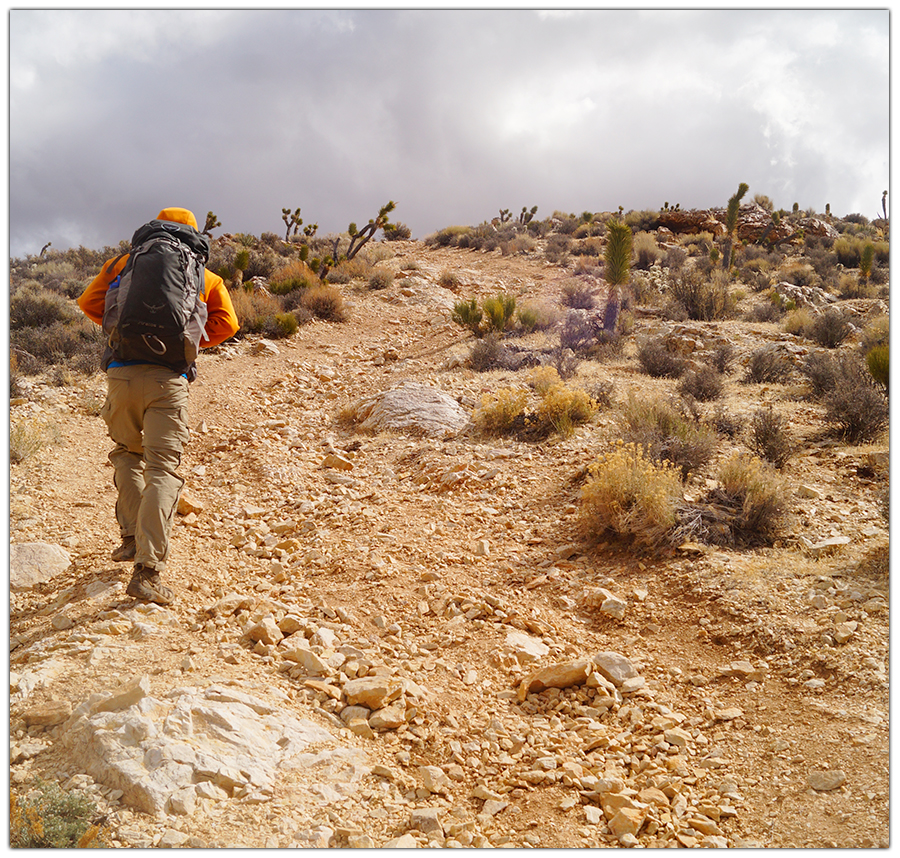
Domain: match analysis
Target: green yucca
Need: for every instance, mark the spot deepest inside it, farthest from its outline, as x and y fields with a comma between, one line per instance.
x=878, y=362
x=499, y=311
x=617, y=254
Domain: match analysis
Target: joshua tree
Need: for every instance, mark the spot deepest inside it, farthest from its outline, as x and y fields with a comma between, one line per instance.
x=731, y=216
x=884, y=203
x=211, y=223
x=526, y=215
x=359, y=237
x=866, y=258
x=291, y=220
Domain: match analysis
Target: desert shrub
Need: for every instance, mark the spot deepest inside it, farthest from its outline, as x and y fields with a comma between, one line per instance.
x=631, y=495
x=449, y=280
x=562, y=408
x=487, y=353
x=856, y=409
x=325, y=302
x=704, y=384
x=255, y=309
x=765, y=311
x=396, y=232
x=77, y=343
x=820, y=370
x=542, y=378
x=380, y=279
x=642, y=221
x=722, y=356
x=878, y=363
x=770, y=438
x=849, y=249
x=656, y=359
x=798, y=322
x=850, y=286
x=675, y=259
x=768, y=366
x=830, y=328
x=517, y=244
x=468, y=314
x=876, y=333
x=558, y=246
x=448, y=236
x=565, y=362
x=705, y=300
x=49, y=818
x=358, y=268
x=748, y=508
x=800, y=274
x=29, y=436
x=727, y=423
x=646, y=250
x=499, y=311
x=578, y=295
x=291, y=276
x=262, y=262
x=667, y=435
x=502, y=412
x=590, y=247
x=696, y=244
x=36, y=307
x=582, y=335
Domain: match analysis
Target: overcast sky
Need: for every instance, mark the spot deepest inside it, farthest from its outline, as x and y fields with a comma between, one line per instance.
x=452, y=114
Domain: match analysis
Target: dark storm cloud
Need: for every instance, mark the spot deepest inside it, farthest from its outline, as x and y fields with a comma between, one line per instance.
x=453, y=114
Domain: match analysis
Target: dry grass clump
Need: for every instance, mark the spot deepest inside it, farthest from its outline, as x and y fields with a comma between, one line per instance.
x=449, y=280
x=798, y=322
x=325, y=302
x=380, y=279
x=704, y=299
x=856, y=409
x=631, y=495
x=502, y=412
x=291, y=276
x=562, y=408
x=29, y=436
x=667, y=434
x=757, y=496
x=260, y=312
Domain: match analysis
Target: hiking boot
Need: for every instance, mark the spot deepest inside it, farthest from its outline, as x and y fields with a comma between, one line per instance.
x=125, y=551
x=146, y=586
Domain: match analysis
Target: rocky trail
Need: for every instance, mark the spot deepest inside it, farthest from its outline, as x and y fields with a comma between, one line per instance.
x=396, y=638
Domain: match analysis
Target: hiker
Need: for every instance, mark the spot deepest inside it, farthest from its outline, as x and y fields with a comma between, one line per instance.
x=147, y=384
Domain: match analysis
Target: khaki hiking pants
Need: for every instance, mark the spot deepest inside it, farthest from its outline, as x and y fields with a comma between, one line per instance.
x=146, y=412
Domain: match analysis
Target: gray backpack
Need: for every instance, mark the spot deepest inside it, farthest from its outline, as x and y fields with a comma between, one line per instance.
x=154, y=311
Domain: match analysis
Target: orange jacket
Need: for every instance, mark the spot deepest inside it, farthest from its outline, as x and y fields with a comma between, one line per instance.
x=222, y=321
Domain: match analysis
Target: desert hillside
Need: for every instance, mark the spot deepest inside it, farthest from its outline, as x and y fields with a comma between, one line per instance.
x=398, y=621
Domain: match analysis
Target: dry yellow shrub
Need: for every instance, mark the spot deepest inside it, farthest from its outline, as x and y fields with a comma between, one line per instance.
x=499, y=412
x=632, y=496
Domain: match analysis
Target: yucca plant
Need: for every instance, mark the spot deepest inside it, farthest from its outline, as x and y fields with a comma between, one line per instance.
x=499, y=311
x=878, y=362
x=617, y=253
x=731, y=217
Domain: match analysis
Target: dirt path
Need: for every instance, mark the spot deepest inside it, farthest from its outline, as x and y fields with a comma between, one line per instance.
x=390, y=548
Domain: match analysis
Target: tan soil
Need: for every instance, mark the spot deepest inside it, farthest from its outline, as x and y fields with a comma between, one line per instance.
x=376, y=549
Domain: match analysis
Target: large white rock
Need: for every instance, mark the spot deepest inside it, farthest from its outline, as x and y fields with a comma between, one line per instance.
x=217, y=742
x=33, y=563
x=411, y=407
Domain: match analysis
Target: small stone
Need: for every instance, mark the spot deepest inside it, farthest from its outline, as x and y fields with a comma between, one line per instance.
x=627, y=821
x=827, y=780
x=405, y=841
x=61, y=622
x=372, y=691
x=614, y=667
x=427, y=820
x=729, y=714
x=388, y=717
x=335, y=461
x=592, y=814
x=266, y=631
x=308, y=661
x=526, y=648
x=492, y=807
x=434, y=779
x=188, y=504
x=555, y=676
x=47, y=714
x=361, y=727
